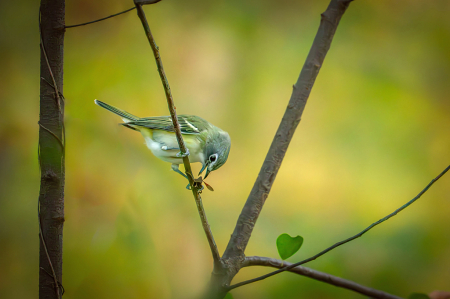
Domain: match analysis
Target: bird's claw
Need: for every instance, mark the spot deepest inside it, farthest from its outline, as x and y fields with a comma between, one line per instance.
x=197, y=184
x=200, y=187
x=182, y=155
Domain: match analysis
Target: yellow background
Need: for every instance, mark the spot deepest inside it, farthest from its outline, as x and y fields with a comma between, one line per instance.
x=375, y=131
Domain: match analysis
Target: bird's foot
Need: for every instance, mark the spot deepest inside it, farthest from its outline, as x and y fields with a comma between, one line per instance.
x=197, y=184
x=199, y=187
x=175, y=168
x=182, y=155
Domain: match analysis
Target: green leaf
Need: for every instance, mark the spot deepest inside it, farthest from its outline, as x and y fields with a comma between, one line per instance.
x=228, y=296
x=418, y=296
x=287, y=245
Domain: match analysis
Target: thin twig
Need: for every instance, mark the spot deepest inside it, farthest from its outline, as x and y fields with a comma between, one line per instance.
x=53, y=134
x=317, y=275
x=52, y=86
x=60, y=285
x=87, y=23
x=176, y=126
x=346, y=240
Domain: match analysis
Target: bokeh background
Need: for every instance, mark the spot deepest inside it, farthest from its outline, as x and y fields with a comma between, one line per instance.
x=375, y=131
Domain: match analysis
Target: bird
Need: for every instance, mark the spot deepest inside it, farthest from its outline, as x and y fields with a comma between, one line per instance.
x=205, y=142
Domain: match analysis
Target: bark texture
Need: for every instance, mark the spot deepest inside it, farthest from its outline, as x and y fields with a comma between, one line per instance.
x=234, y=255
x=51, y=148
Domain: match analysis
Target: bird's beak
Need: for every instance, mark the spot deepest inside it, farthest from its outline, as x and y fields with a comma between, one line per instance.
x=203, y=168
x=207, y=172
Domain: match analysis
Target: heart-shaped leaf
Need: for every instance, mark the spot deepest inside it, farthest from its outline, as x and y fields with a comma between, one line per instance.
x=287, y=245
x=418, y=296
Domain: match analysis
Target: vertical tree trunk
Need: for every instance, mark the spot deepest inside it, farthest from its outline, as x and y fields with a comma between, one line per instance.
x=51, y=148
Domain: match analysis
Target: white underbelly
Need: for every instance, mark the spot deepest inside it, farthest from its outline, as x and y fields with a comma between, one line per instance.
x=157, y=139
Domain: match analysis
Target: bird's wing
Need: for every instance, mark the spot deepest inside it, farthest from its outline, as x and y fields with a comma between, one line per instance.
x=189, y=124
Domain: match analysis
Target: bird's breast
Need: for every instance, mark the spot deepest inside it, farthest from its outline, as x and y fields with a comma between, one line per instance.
x=164, y=145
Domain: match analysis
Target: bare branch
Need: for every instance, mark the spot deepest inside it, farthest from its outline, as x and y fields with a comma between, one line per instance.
x=102, y=19
x=145, y=2
x=176, y=125
x=51, y=148
x=234, y=252
x=317, y=275
x=287, y=268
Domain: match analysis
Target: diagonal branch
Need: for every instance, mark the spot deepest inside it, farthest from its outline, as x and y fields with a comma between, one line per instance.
x=234, y=252
x=317, y=275
x=102, y=19
x=289, y=267
x=176, y=125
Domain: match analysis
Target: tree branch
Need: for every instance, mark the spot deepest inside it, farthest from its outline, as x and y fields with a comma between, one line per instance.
x=176, y=125
x=234, y=253
x=287, y=268
x=102, y=19
x=51, y=147
x=317, y=275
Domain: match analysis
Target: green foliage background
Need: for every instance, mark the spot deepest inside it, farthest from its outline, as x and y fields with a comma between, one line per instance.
x=374, y=133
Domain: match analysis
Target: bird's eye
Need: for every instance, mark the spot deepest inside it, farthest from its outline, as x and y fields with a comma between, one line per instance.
x=213, y=158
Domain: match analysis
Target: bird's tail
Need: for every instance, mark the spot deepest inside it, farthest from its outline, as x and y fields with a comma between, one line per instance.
x=125, y=115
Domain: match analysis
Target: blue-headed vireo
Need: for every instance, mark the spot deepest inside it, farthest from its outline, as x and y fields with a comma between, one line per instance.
x=205, y=142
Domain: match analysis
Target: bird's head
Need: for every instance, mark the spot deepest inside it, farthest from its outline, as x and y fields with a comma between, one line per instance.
x=216, y=151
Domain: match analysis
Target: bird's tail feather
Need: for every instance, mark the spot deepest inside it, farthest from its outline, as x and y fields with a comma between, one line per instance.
x=120, y=112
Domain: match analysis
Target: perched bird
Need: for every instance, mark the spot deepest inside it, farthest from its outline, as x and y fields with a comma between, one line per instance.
x=205, y=142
